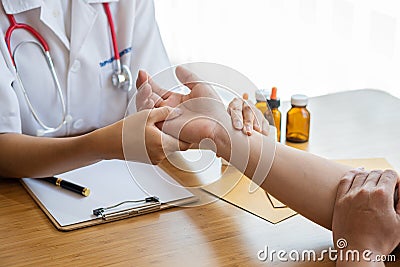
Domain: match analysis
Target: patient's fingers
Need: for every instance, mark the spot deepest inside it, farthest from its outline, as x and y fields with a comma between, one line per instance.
x=187, y=77
x=142, y=97
x=144, y=77
x=157, y=100
x=141, y=79
x=164, y=94
x=345, y=184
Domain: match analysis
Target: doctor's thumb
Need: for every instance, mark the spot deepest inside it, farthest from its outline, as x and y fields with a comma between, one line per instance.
x=163, y=114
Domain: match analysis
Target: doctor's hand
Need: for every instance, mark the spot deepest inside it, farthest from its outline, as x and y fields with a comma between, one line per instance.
x=141, y=139
x=244, y=115
x=365, y=214
x=204, y=114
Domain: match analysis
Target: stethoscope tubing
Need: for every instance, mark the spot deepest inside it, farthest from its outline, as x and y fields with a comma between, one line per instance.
x=121, y=70
x=46, y=129
x=14, y=25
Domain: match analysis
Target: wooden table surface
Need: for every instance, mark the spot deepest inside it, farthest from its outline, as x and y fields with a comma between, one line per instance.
x=357, y=124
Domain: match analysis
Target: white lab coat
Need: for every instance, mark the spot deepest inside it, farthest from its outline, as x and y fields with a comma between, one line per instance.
x=92, y=101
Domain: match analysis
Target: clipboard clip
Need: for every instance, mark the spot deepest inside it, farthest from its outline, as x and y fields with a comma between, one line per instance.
x=149, y=204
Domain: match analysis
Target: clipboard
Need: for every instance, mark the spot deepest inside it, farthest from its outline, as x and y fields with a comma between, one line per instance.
x=112, y=183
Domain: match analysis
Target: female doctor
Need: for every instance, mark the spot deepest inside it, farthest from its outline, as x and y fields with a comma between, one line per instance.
x=82, y=94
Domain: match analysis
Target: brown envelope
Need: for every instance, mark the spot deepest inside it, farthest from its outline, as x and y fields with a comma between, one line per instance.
x=258, y=203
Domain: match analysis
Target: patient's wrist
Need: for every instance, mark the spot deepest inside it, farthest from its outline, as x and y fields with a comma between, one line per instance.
x=222, y=140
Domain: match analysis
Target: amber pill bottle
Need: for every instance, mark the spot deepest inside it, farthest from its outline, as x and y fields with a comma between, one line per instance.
x=298, y=120
x=261, y=98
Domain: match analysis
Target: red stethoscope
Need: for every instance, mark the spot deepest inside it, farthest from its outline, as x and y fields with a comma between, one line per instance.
x=121, y=78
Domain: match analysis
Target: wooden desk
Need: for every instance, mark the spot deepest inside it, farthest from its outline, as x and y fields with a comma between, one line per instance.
x=352, y=124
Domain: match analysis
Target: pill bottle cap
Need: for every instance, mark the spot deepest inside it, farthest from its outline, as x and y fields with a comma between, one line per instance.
x=299, y=100
x=262, y=95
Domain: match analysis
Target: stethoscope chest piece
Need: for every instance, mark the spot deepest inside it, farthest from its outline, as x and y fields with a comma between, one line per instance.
x=123, y=79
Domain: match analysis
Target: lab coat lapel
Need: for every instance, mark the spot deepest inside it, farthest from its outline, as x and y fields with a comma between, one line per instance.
x=51, y=21
x=85, y=16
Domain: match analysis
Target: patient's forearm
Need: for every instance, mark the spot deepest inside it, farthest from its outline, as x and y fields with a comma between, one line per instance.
x=305, y=182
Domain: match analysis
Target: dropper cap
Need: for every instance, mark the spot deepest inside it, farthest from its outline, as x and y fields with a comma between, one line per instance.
x=274, y=101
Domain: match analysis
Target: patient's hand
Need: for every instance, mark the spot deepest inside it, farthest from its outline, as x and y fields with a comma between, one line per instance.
x=151, y=95
x=365, y=214
x=244, y=115
x=203, y=115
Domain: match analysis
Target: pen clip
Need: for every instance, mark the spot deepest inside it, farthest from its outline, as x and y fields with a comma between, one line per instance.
x=150, y=204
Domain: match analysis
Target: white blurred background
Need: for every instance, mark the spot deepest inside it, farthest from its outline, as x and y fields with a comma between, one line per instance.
x=313, y=47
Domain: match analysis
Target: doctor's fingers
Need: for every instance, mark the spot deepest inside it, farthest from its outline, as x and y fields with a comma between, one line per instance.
x=235, y=109
x=389, y=182
x=162, y=114
x=168, y=144
x=245, y=116
x=260, y=123
x=159, y=145
x=249, y=119
x=171, y=144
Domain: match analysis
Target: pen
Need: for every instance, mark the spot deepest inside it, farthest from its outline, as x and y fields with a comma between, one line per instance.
x=84, y=191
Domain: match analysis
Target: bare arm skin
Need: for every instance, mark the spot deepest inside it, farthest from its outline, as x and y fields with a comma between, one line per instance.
x=27, y=156
x=305, y=182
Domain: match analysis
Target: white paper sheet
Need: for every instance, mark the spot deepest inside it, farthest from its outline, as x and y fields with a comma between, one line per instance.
x=110, y=183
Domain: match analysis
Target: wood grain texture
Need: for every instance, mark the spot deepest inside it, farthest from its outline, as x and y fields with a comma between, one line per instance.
x=360, y=124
